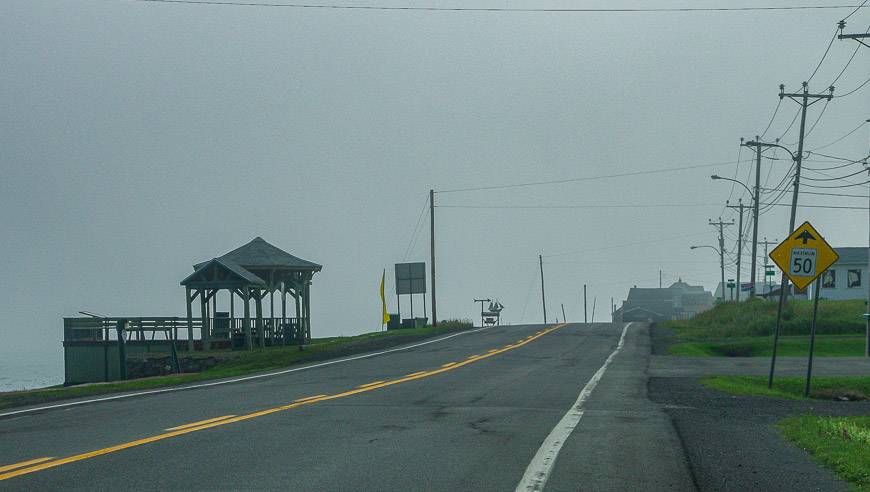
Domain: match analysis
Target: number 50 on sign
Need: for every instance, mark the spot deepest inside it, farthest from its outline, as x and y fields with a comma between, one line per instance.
x=804, y=255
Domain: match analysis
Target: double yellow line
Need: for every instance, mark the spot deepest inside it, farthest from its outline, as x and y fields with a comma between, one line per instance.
x=35, y=465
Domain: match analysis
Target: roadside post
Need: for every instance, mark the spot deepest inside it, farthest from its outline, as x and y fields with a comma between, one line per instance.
x=803, y=257
x=120, y=326
x=813, y=335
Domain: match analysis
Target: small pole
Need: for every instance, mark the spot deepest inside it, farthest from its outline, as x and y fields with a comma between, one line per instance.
x=564, y=318
x=584, y=303
x=660, y=279
x=593, y=308
x=120, y=326
x=813, y=335
x=543, y=297
x=432, y=252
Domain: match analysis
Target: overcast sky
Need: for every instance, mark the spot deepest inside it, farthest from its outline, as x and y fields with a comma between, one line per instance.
x=139, y=138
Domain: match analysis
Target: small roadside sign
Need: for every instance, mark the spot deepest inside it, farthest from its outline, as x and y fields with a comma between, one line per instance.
x=804, y=255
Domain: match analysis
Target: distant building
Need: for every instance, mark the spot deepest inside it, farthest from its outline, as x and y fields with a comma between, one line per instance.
x=847, y=278
x=678, y=301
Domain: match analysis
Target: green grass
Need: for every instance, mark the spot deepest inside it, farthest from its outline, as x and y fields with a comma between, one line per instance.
x=839, y=443
x=826, y=346
x=758, y=317
x=234, y=364
x=792, y=388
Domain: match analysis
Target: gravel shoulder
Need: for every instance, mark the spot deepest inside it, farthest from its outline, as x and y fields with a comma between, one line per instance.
x=731, y=442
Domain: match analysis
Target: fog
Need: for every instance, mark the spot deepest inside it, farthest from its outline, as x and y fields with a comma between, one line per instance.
x=138, y=138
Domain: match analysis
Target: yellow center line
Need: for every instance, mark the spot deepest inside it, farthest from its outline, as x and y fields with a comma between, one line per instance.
x=369, y=384
x=23, y=463
x=41, y=465
x=449, y=364
x=197, y=424
x=308, y=398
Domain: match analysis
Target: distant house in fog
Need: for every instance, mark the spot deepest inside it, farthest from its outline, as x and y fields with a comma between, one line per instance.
x=678, y=301
x=847, y=278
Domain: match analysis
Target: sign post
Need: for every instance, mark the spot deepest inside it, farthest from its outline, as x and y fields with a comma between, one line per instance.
x=803, y=256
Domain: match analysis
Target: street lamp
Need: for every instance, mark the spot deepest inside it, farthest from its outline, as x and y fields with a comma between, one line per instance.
x=721, y=263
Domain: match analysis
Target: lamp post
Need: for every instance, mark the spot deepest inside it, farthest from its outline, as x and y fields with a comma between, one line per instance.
x=755, y=199
x=721, y=264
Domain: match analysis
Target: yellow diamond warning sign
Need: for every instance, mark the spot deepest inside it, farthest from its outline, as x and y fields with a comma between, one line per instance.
x=804, y=255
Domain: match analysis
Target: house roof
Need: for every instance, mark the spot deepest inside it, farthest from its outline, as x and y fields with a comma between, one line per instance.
x=260, y=254
x=852, y=256
x=645, y=294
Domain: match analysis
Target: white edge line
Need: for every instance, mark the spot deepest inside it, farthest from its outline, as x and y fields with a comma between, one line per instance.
x=236, y=380
x=539, y=468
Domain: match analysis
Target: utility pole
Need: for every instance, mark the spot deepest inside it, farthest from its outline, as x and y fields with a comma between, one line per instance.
x=432, y=251
x=739, y=244
x=543, y=297
x=867, y=342
x=860, y=37
x=805, y=99
x=564, y=318
x=721, y=226
x=584, y=303
x=756, y=199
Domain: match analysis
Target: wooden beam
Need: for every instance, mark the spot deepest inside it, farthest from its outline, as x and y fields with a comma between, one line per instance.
x=189, y=300
x=248, y=338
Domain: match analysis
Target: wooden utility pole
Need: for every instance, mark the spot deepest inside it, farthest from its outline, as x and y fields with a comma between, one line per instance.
x=543, y=297
x=739, y=244
x=585, y=320
x=805, y=99
x=755, y=199
x=432, y=252
x=721, y=226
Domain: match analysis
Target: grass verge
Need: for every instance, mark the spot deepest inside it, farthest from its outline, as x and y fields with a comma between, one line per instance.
x=241, y=363
x=823, y=388
x=826, y=346
x=839, y=443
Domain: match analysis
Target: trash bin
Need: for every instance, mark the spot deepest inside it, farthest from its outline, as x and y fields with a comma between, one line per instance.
x=395, y=322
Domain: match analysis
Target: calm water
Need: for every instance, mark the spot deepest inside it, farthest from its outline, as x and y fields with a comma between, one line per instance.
x=28, y=370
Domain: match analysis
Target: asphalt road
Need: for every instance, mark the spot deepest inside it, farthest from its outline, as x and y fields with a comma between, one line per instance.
x=404, y=420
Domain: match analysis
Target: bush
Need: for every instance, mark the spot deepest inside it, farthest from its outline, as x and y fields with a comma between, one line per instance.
x=758, y=318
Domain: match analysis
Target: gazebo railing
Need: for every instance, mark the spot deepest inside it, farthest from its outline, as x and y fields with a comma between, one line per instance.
x=137, y=329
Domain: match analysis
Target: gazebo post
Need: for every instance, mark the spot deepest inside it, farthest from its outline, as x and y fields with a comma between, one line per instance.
x=259, y=295
x=248, y=339
x=189, y=300
x=307, y=333
x=232, y=307
x=283, y=312
x=203, y=305
x=272, y=312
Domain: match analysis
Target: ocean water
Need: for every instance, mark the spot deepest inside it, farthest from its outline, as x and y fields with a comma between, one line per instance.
x=30, y=370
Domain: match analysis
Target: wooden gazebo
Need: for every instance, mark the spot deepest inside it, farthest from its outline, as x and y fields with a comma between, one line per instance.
x=251, y=272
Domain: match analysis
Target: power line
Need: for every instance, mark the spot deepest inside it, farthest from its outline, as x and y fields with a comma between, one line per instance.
x=849, y=62
x=856, y=9
x=835, y=178
x=621, y=205
x=840, y=186
x=825, y=55
x=587, y=178
x=501, y=9
x=821, y=206
x=856, y=89
x=413, y=239
x=772, y=117
x=833, y=194
x=841, y=138
x=638, y=243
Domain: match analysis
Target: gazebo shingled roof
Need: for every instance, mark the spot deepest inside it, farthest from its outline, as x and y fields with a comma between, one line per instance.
x=260, y=254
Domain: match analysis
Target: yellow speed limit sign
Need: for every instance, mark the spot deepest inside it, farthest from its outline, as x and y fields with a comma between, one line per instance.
x=804, y=255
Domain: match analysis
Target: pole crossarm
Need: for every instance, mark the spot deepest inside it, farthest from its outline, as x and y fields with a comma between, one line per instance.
x=860, y=37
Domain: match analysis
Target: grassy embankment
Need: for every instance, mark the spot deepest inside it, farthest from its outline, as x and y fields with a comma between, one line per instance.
x=792, y=387
x=745, y=330
x=840, y=443
x=242, y=362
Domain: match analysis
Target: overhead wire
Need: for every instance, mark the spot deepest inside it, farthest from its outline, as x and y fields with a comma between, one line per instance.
x=824, y=55
x=841, y=138
x=496, y=9
x=586, y=178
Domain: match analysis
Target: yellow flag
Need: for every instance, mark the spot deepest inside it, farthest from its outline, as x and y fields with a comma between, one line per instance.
x=386, y=317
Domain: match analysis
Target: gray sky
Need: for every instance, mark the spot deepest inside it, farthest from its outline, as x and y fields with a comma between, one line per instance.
x=140, y=138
